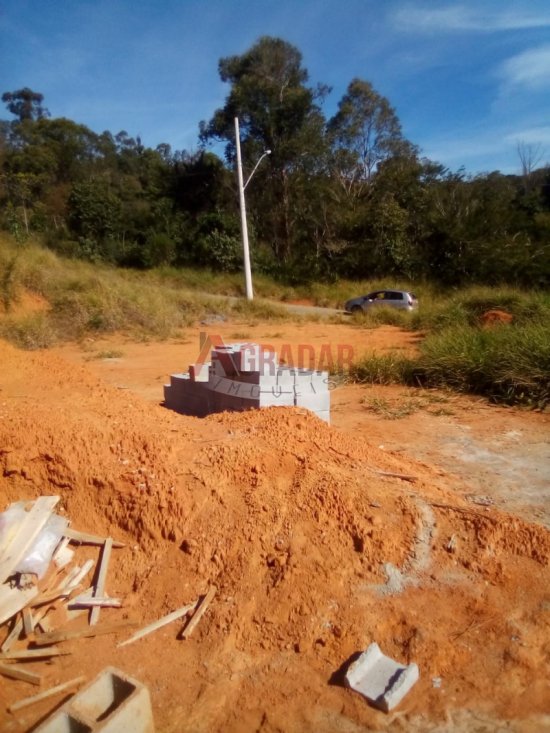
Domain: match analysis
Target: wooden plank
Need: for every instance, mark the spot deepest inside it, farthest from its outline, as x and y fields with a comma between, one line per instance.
x=10, y=670
x=63, y=555
x=33, y=653
x=13, y=636
x=47, y=693
x=55, y=637
x=13, y=600
x=95, y=601
x=101, y=578
x=28, y=530
x=160, y=623
x=188, y=630
x=69, y=577
x=84, y=538
x=391, y=474
x=47, y=598
x=28, y=623
x=80, y=575
x=66, y=587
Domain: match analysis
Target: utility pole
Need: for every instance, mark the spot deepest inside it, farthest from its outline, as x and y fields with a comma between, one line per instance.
x=244, y=225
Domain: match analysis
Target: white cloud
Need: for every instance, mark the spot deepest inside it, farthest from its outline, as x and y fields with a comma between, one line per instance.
x=464, y=18
x=531, y=136
x=530, y=69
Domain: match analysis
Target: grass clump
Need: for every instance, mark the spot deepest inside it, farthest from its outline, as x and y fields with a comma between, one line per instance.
x=383, y=316
x=34, y=331
x=506, y=364
x=407, y=404
x=391, y=368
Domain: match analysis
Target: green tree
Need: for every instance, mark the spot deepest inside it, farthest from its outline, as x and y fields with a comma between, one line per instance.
x=277, y=111
x=365, y=132
x=25, y=104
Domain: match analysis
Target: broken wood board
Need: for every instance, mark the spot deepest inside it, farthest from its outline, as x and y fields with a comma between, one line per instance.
x=55, y=637
x=27, y=532
x=15, y=673
x=33, y=653
x=101, y=579
x=13, y=600
x=79, y=576
x=28, y=622
x=84, y=538
x=47, y=693
x=63, y=555
x=92, y=601
x=160, y=623
x=13, y=636
x=188, y=630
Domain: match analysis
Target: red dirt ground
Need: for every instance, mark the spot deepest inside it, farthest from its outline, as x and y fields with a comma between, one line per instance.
x=315, y=553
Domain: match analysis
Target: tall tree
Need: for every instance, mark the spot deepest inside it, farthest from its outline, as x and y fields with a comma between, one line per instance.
x=278, y=111
x=365, y=132
x=25, y=104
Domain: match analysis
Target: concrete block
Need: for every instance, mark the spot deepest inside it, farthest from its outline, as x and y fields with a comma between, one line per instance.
x=223, y=367
x=320, y=380
x=199, y=372
x=249, y=377
x=112, y=703
x=225, y=360
x=232, y=403
x=380, y=679
x=179, y=383
x=316, y=402
x=177, y=378
x=276, y=398
x=223, y=385
x=249, y=358
x=323, y=415
x=286, y=376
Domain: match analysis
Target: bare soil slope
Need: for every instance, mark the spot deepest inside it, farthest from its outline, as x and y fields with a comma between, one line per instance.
x=314, y=550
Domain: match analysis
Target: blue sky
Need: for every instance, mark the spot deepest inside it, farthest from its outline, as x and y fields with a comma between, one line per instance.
x=468, y=79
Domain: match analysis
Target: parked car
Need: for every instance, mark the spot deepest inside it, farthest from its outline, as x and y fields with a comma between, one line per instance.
x=402, y=299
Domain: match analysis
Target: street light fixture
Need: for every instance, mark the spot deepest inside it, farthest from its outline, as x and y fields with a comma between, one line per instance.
x=244, y=225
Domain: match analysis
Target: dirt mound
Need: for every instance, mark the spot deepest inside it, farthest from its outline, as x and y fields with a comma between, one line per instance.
x=316, y=547
x=495, y=317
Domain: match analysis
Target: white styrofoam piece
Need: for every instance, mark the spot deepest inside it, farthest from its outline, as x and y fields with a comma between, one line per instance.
x=380, y=679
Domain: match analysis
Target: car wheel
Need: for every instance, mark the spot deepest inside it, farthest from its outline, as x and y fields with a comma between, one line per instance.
x=356, y=309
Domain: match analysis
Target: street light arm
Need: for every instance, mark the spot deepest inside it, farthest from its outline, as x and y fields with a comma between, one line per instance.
x=266, y=152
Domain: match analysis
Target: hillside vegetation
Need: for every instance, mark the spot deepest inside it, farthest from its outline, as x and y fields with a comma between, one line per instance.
x=507, y=362
x=344, y=197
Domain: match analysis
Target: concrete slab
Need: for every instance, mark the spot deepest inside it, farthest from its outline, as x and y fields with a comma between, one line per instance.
x=380, y=679
x=112, y=703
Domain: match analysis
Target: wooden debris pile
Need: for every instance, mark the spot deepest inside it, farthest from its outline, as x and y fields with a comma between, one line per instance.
x=41, y=582
x=38, y=577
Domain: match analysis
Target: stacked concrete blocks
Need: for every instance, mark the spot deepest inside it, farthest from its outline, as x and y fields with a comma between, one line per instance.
x=111, y=703
x=243, y=377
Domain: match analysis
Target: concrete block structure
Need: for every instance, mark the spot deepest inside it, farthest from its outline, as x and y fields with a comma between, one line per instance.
x=111, y=703
x=381, y=680
x=243, y=377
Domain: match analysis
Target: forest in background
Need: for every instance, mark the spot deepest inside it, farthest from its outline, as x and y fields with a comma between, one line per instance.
x=345, y=197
